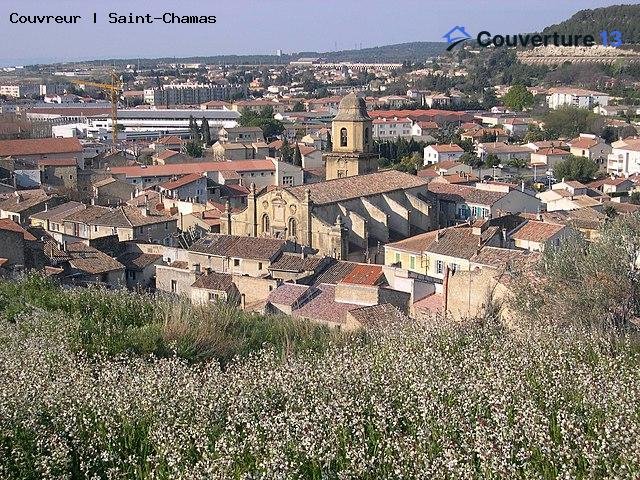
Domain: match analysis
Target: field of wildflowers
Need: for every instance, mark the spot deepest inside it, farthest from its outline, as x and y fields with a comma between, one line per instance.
x=421, y=401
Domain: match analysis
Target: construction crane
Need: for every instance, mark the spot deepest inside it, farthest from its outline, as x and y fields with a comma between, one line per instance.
x=115, y=90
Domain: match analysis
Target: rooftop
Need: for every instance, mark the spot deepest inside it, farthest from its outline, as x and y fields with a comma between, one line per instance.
x=88, y=259
x=214, y=281
x=536, y=231
x=39, y=146
x=196, y=167
x=257, y=248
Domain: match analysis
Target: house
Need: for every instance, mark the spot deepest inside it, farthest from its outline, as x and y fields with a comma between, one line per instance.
x=298, y=266
x=112, y=191
x=20, y=205
x=452, y=167
x=548, y=157
x=480, y=134
x=85, y=265
x=191, y=187
x=140, y=269
x=235, y=254
x=433, y=252
x=535, y=235
x=166, y=157
x=590, y=146
x=240, y=150
x=13, y=239
x=575, y=97
x=438, y=153
x=34, y=150
x=624, y=158
x=458, y=203
x=240, y=134
x=505, y=152
x=391, y=128
x=52, y=219
x=571, y=195
x=126, y=222
x=59, y=172
x=613, y=185
x=171, y=142
x=215, y=287
x=516, y=127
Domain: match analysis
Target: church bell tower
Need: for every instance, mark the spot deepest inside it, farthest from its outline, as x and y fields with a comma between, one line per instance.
x=351, y=130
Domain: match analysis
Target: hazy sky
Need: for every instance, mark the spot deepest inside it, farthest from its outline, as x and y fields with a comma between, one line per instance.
x=254, y=26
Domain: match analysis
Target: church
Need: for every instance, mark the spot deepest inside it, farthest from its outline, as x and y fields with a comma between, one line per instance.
x=351, y=214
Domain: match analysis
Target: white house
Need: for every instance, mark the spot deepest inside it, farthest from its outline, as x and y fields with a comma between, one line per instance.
x=624, y=158
x=391, y=128
x=590, y=146
x=439, y=153
x=575, y=97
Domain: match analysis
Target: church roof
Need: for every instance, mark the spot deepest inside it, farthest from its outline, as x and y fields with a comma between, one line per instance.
x=352, y=108
x=347, y=188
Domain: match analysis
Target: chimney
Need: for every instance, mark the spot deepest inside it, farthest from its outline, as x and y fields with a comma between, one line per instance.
x=46, y=206
x=522, y=186
x=64, y=245
x=196, y=267
x=438, y=235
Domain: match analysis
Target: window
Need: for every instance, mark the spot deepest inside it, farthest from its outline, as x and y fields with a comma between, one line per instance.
x=287, y=180
x=259, y=265
x=95, y=228
x=174, y=286
x=236, y=262
x=265, y=223
x=412, y=262
x=439, y=266
x=213, y=297
x=293, y=227
x=343, y=137
x=131, y=274
x=342, y=173
x=398, y=259
x=366, y=136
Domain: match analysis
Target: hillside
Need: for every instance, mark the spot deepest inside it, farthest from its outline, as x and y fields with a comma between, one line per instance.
x=624, y=18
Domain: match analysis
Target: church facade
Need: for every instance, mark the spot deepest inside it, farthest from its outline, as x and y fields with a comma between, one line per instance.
x=351, y=214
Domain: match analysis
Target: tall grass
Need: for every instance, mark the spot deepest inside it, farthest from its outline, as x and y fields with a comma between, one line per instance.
x=114, y=322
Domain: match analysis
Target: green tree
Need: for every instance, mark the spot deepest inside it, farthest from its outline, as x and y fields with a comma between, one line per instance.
x=575, y=168
x=298, y=107
x=329, y=146
x=194, y=131
x=491, y=161
x=194, y=149
x=471, y=159
x=518, y=98
x=206, y=132
x=286, y=151
x=297, y=156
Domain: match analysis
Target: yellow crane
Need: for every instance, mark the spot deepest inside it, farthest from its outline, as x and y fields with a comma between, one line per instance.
x=115, y=90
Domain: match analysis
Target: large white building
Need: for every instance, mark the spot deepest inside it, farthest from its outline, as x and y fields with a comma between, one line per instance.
x=575, y=97
x=150, y=124
x=191, y=93
x=624, y=158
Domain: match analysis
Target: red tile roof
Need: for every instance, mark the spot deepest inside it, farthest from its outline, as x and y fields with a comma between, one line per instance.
x=185, y=168
x=10, y=225
x=453, y=148
x=182, y=181
x=364, y=275
x=536, y=231
x=39, y=146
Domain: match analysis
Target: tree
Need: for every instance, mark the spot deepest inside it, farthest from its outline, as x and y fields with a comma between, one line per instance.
x=634, y=198
x=329, y=146
x=194, y=149
x=286, y=152
x=194, y=131
x=575, y=168
x=518, y=98
x=489, y=98
x=570, y=121
x=206, y=132
x=471, y=159
x=491, y=161
x=298, y=107
x=297, y=156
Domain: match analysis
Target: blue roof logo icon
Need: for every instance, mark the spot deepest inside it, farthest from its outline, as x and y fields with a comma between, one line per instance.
x=455, y=36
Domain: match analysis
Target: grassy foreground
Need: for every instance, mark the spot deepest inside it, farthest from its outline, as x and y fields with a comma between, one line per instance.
x=439, y=401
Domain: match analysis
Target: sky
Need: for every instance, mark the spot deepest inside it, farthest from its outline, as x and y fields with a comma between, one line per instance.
x=259, y=26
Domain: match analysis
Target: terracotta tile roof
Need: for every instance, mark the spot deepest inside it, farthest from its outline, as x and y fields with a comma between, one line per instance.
x=22, y=200
x=222, y=282
x=288, y=294
x=138, y=260
x=122, y=216
x=294, y=262
x=185, y=168
x=458, y=242
x=497, y=257
x=445, y=148
x=584, y=142
x=433, y=303
x=464, y=194
x=60, y=212
x=623, y=208
x=166, y=154
x=341, y=189
x=88, y=259
x=182, y=181
x=447, y=164
x=10, y=225
x=39, y=146
x=376, y=316
x=501, y=147
x=536, y=231
x=322, y=306
x=257, y=248
x=170, y=140
x=428, y=172
x=364, y=275
x=335, y=273
x=182, y=265
x=552, y=151
x=58, y=162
